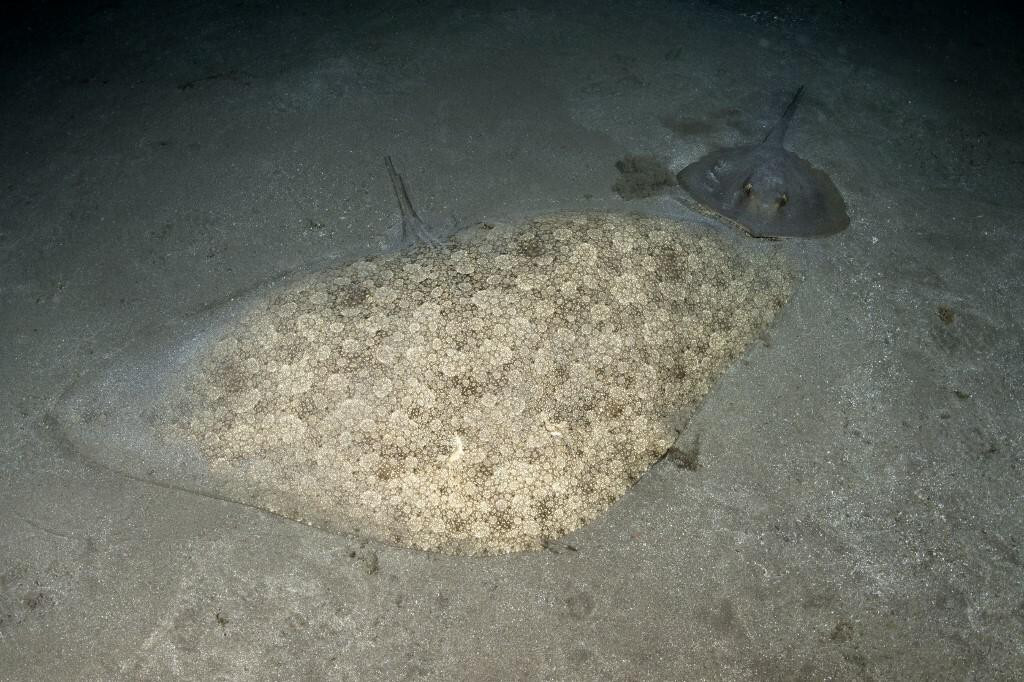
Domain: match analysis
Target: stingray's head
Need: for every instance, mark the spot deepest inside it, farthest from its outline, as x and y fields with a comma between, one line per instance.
x=763, y=193
x=767, y=191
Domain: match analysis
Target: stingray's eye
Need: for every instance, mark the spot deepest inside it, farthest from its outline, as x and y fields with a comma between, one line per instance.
x=783, y=199
x=748, y=189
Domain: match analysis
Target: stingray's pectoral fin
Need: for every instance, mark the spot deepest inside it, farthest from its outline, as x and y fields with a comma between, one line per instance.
x=412, y=228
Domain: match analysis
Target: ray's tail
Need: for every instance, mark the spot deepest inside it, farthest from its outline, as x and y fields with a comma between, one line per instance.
x=776, y=134
x=412, y=226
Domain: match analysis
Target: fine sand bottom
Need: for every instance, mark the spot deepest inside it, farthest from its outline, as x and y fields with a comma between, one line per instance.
x=845, y=504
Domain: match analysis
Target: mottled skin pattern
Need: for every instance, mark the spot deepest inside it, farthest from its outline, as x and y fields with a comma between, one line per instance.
x=483, y=397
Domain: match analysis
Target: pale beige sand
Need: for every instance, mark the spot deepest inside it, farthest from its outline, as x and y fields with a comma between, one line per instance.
x=857, y=510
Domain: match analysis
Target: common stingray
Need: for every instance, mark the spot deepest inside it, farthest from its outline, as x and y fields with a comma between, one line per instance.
x=482, y=397
x=765, y=189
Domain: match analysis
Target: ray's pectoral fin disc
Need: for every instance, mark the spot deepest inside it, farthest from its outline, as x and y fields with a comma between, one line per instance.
x=766, y=190
x=774, y=194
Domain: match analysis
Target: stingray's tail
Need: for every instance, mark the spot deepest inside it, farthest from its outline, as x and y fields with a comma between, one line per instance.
x=776, y=134
x=401, y=193
x=412, y=226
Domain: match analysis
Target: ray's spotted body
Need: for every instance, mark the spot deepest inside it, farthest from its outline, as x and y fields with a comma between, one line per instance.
x=479, y=398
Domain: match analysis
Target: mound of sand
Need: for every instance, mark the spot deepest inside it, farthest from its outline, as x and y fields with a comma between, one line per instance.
x=482, y=398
